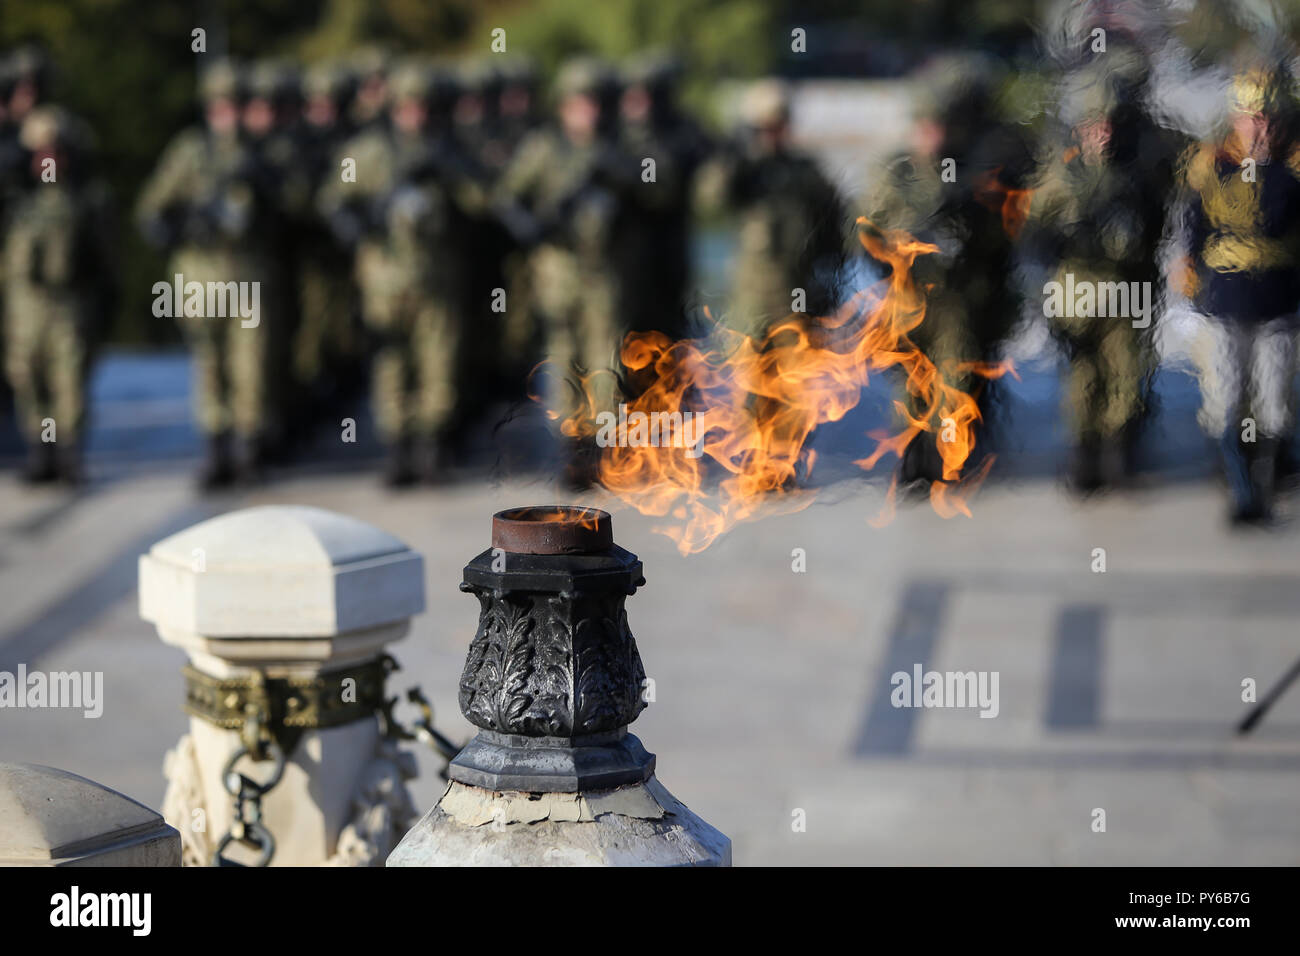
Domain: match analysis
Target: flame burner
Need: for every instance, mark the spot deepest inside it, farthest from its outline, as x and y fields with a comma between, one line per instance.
x=553, y=676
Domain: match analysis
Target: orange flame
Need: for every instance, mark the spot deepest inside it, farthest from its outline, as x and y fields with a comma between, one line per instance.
x=587, y=518
x=754, y=404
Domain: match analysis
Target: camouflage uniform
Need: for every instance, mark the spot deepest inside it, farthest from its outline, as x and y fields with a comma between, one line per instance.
x=492, y=359
x=329, y=344
x=571, y=188
x=652, y=238
x=275, y=137
x=369, y=67
x=210, y=203
x=1100, y=212
x=25, y=75
x=405, y=216
x=59, y=290
x=791, y=233
x=517, y=113
x=970, y=210
x=516, y=120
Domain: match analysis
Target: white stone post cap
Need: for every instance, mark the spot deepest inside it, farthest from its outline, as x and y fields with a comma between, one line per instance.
x=50, y=817
x=279, y=571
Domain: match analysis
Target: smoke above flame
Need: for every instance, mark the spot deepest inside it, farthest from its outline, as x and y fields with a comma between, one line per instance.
x=756, y=403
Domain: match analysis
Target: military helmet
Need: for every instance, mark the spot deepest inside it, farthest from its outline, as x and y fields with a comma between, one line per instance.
x=517, y=71
x=478, y=75
x=766, y=103
x=1264, y=88
x=275, y=80
x=413, y=79
x=333, y=79
x=584, y=76
x=656, y=71
x=1106, y=83
x=222, y=80
x=30, y=60
x=953, y=86
x=369, y=60
x=48, y=126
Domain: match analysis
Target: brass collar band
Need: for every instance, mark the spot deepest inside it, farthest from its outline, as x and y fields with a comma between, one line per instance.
x=291, y=704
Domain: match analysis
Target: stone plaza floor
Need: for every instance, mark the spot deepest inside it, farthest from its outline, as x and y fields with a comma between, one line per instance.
x=1117, y=691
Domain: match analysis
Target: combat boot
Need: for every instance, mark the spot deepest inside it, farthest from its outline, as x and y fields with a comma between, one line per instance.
x=921, y=462
x=1246, y=505
x=40, y=466
x=1114, y=463
x=400, y=470
x=247, y=459
x=581, y=466
x=217, y=470
x=431, y=459
x=1086, y=467
x=1263, y=472
x=68, y=462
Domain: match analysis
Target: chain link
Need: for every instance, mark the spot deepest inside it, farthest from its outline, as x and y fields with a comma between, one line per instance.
x=258, y=743
x=423, y=729
x=247, y=827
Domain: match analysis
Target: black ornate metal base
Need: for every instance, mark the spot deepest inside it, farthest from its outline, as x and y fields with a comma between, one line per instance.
x=553, y=676
x=496, y=761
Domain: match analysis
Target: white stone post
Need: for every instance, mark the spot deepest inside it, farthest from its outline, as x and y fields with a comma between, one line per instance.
x=298, y=598
x=50, y=817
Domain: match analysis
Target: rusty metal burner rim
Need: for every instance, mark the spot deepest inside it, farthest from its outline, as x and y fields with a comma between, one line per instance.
x=524, y=530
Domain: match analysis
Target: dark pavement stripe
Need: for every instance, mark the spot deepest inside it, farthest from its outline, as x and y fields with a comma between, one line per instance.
x=913, y=637
x=1074, y=683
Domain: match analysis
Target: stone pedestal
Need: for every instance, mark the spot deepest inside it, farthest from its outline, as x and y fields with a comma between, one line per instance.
x=50, y=817
x=286, y=612
x=553, y=678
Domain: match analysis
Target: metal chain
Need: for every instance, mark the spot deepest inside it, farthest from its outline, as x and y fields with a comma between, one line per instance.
x=258, y=744
x=247, y=827
x=423, y=729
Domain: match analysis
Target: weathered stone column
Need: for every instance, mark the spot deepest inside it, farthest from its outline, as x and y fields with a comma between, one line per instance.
x=285, y=613
x=552, y=680
x=50, y=817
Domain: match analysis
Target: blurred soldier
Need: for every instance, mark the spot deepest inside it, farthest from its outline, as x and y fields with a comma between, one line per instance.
x=571, y=180
x=30, y=76
x=25, y=79
x=25, y=76
x=1244, y=246
x=961, y=186
x=475, y=116
x=518, y=117
x=369, y=106
x=405, y=215
x=653, y=238
x=491, y=369
x=1103, y=206
x=11, y=173
x=328, y=348
x=13, y=162
x=270, y=123
x=210, y=202
x=59, y=289
x=517, y=107
x=792, y=227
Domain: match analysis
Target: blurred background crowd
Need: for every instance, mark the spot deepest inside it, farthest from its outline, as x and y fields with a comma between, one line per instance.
x=432, y=199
